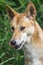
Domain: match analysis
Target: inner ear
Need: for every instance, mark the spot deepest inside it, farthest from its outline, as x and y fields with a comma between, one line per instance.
x=31, y=10
x=11, y=13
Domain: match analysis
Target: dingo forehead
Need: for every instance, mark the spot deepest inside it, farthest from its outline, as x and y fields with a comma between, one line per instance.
x=21, y=20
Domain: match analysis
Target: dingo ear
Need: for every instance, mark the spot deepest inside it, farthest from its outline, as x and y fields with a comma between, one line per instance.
x=31, y=10
x=11, y=13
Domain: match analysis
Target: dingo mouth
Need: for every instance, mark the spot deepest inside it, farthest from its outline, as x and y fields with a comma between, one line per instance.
x=17, y=46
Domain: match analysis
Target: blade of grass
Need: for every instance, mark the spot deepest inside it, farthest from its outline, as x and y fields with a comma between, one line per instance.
x=38, y=2
x=7, y=60
x=2, y=55
x=4, y=39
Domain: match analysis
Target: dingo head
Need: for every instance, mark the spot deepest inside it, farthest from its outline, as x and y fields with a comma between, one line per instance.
x=22, y=25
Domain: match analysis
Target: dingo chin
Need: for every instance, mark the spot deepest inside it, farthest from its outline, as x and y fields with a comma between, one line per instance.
x=27, y=34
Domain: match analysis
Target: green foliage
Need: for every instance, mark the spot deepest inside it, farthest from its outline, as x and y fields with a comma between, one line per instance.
x=8, y=55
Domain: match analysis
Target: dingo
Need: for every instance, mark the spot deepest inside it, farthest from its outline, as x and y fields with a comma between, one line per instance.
x=27, y=34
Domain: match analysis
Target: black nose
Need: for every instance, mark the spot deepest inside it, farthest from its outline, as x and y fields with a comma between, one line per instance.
x=13, y=42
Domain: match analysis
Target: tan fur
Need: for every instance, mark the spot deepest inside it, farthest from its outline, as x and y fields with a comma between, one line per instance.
x=33, y=47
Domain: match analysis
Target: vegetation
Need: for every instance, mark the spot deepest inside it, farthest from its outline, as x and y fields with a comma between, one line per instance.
x=8, y=55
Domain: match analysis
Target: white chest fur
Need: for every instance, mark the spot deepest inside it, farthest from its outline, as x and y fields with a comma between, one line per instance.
x=31, y=53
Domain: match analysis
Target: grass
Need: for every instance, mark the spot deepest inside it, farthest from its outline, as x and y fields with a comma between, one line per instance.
x=8, y=55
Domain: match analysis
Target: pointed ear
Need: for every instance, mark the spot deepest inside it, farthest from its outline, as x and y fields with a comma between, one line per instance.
x=11, y=13
x=31, y=10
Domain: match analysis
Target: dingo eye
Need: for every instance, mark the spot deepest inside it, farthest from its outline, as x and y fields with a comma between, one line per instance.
x=12, y=28
x=22, y=28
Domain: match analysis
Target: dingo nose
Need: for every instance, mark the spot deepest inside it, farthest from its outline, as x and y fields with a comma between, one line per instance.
x=13, y=42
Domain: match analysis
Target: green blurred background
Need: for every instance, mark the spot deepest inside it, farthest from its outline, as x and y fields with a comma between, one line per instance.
x=8, y=55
